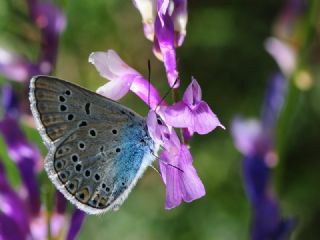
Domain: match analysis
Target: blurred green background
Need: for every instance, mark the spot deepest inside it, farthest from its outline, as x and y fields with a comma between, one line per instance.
x=224, y=51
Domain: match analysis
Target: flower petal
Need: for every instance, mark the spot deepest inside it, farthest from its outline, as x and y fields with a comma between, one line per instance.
x=173, y=188
x=114, y=90
x=204, y=120
x=164, y=34
x=193, y=93
x=76, y=223
x=146, y=92
x=192, y=187
x=14, y=67
x=245, y=134
x=101, y=61
x=178, y=115
x=180, y=19
x=122, y=78
x=283, y=54
x=25, y=156
x=273, y=100
x=11, y=204
x=61, y=203
x=156, y=127
x=9, y=229
x=147, y=9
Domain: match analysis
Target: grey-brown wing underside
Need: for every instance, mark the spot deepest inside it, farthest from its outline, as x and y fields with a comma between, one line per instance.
x=97, y=147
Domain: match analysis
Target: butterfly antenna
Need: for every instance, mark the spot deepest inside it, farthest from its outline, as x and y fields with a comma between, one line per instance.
x=149, y=81
x=168, y=164
x=167, y=93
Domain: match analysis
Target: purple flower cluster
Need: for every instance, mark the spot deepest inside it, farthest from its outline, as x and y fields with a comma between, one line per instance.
x=51, y=22
x=21, y=214
x=255, y=140
x=164, y=24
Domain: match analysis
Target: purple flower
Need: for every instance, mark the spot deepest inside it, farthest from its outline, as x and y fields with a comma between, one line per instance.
x=12, y=206
x=273, y=101
x=179, y=175
x=122, y=78
x=51, y=21
x=180, y=19
x=284, y=54
x=167, y=29
x=22, y=210
x=255, y=140
x=15, y=67
x=157, y=127
x=267, y=220
x=21, y=152
x=191, y=112
x=76, y=223
x=177, y=11
x=147, y=9
x=164, y=42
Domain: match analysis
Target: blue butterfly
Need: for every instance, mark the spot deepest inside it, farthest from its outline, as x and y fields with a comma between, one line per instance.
x=98, y=148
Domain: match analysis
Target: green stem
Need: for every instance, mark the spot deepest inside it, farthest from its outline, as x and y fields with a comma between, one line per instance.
x=293, y=97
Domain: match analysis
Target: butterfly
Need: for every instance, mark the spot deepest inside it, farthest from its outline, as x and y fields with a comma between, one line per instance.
x=98, y=148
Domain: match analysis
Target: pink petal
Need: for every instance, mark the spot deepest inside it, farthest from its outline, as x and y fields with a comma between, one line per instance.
x=284, y=54
x=180, y=19
x=204, y=120
x=114, y=90
x=245, y=134
x=147, y=9
x=178, y=115
x=164, y=34
x=13, y=66
x=162, y=9
x=100, y=61
x=187, y=134
x=156, y=131
x=171, y=143
x=170, y=177
x=193, y=93
x=110, y=65
x=191, y=186
x=141, y=88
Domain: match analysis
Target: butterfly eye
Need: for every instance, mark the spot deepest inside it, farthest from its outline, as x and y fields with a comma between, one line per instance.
x=114, y=131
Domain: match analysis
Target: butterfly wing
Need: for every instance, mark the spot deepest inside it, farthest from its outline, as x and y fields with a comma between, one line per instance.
x=97, y=148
